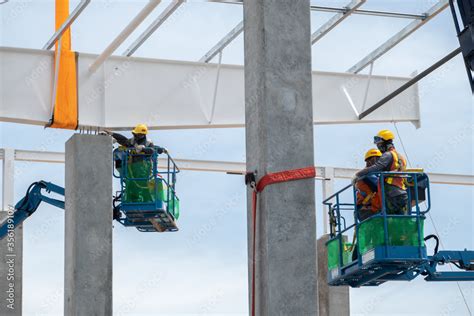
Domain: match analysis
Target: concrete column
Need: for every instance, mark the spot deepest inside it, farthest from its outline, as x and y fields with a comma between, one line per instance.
x=11, y=247
x=88, y=226
x=333, y=300
x=279, y=136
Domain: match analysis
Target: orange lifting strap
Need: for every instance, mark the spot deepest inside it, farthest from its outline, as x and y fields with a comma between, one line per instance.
x=65, y=113
x=268, y=179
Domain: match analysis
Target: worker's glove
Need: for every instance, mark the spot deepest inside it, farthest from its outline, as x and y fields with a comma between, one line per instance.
x=139, y=148
x=105, y=132
x=162, y=150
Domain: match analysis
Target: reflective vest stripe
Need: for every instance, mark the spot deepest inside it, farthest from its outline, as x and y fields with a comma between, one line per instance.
x=398, y=164
x=368, y=198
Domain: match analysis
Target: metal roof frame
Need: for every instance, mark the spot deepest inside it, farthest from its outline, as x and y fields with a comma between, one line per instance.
x=335, y=20
x=167, y=12
x=400, y=36
x=226, y=40
x=341, y=14
x=386, y=14
x=71, y=18
x=137, y=20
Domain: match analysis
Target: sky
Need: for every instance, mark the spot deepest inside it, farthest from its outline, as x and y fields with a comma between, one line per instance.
x=202, y=269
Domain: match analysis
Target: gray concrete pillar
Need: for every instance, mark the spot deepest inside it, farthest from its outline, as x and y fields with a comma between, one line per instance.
x=11, y=247
x=333, y=300
x=279, y=136
x=88, y=226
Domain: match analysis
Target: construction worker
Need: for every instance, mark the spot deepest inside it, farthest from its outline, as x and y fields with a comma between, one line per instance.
x=368, y=200
x=395, y=191
x=138, y=142
x=140, y=164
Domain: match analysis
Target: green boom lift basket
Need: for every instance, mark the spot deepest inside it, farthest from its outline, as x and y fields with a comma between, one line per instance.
x=402, y=231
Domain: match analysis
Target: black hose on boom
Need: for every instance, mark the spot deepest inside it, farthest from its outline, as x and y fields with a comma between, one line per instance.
x=432, y=236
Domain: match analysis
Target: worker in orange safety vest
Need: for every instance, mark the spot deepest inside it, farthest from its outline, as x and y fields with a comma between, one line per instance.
x=368, y=199
x=396, y=197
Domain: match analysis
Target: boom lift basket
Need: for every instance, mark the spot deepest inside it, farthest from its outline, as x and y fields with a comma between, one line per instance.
x=386, y=246
x=147, y=199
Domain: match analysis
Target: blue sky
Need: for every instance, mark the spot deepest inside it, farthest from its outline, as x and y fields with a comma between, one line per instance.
x=202, y=269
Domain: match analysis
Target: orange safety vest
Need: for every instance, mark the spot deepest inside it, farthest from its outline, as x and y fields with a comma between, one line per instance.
x=366, y=195
x=398, y=164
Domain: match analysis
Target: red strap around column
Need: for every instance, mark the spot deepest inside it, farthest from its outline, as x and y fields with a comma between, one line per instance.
x=268, y=179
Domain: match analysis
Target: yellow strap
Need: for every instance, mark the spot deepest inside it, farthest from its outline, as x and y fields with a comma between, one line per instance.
x=414, y=170
x=398, y=167
x=65, y=108
x=395, y=161
x=367, y=198
x=354, y=236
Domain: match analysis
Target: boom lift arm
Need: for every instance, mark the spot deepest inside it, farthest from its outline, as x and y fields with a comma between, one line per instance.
x=29, y=204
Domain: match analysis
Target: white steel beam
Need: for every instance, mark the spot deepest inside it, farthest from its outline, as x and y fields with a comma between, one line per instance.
x=167, y=12
x=11, y=248
x=71, y=18
x=226, y=40
x=328, y=190
x=335, y=20
x=400, y=36
x=8, y=181
x=175, y=94
x=39, y=156
x=124, y=34
x=237, y=167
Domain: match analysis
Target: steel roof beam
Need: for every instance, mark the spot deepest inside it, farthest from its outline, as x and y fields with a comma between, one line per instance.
x=386, y=14
x=400, y=36
x=335, y=20
x=71, y=18
x=223, y=42
x=410, y=83
x=104, y=103
x=142, y=15
x=170, y=9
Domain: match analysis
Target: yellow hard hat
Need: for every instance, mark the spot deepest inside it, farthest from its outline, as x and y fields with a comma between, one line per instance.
x=372, y=153
x=384, y=135
x=140, y=129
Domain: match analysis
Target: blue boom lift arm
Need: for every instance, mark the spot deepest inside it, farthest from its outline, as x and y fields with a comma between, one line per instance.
x=29, y=204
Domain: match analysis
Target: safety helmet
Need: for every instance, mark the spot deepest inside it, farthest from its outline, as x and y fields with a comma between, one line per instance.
x=372, y=153
x=140, y=129
x=383, y=135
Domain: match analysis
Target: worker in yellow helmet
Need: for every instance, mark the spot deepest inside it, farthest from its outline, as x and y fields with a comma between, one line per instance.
x=139, y=140
x=368, y=200
x=395, y=191
x=139, y=163
x=139, y=143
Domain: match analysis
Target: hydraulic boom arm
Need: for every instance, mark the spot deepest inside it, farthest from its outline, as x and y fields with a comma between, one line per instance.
x=29, y=204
